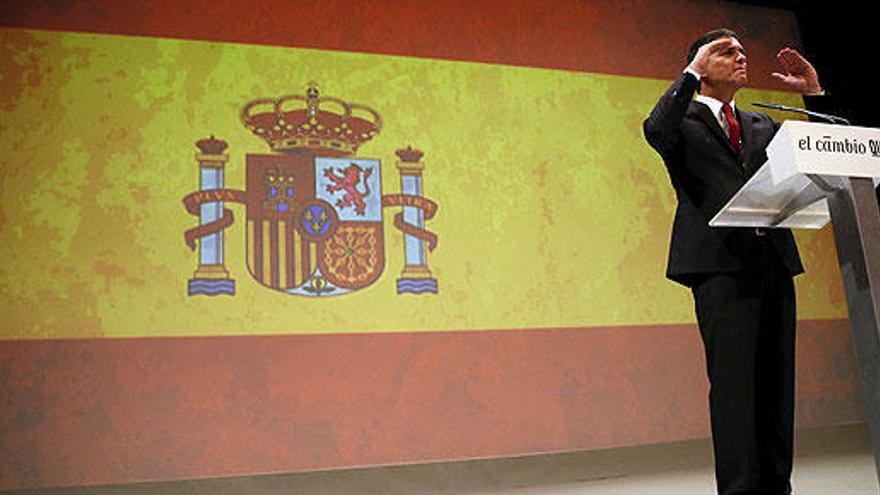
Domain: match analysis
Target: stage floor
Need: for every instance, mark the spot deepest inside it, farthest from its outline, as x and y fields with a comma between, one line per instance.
x=829, y=461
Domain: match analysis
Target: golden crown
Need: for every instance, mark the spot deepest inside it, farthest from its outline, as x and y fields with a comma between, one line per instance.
x=313, y=122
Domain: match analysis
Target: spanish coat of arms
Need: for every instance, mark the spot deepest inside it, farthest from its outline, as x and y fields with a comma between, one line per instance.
x=314, y=210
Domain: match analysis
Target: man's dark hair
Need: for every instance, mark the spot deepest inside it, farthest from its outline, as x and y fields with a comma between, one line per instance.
x=708, y=38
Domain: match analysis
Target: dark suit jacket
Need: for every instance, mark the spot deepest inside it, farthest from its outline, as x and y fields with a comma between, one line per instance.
x=706, y=172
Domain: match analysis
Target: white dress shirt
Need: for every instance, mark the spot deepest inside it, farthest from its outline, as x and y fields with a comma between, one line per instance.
x=715, y=106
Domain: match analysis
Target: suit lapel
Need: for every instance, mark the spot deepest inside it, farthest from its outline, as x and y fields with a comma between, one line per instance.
x=748, y=140
x=703, y=113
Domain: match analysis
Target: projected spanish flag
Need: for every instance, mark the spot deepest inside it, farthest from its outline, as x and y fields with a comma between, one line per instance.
x=510, y=174
x=285, y=236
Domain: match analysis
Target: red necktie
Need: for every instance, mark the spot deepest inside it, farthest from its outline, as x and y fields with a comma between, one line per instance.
x=733, y=129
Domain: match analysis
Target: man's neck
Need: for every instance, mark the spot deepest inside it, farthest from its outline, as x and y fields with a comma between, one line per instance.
x=722, y=94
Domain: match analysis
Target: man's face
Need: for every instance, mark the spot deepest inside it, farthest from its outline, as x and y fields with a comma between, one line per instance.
x=728, y=67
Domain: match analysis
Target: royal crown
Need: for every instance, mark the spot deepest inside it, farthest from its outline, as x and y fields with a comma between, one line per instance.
x=211, y=145
x=409, y=155
x=312, y=122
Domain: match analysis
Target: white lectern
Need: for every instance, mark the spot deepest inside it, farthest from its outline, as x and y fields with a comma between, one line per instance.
x=816, y=172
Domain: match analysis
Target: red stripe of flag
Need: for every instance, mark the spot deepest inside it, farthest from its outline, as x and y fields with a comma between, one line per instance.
x=634, y=38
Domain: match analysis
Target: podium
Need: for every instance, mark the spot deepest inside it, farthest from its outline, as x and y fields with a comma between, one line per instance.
x=816, y=173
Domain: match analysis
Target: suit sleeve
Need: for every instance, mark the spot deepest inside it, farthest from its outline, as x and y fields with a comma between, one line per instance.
x=663, y=126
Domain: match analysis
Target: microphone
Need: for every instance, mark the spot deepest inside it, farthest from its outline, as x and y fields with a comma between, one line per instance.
x=832, y=119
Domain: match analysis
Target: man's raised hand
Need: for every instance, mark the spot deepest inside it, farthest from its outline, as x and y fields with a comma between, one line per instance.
x=700, y=63
x=799, y=74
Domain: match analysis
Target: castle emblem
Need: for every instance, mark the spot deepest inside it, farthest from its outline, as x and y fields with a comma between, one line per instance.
x=314, y=210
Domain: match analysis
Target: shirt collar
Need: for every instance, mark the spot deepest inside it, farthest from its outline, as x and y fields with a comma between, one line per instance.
x=714, y=105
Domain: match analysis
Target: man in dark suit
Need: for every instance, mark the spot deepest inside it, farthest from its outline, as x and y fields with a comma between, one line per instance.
x=741, y=278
